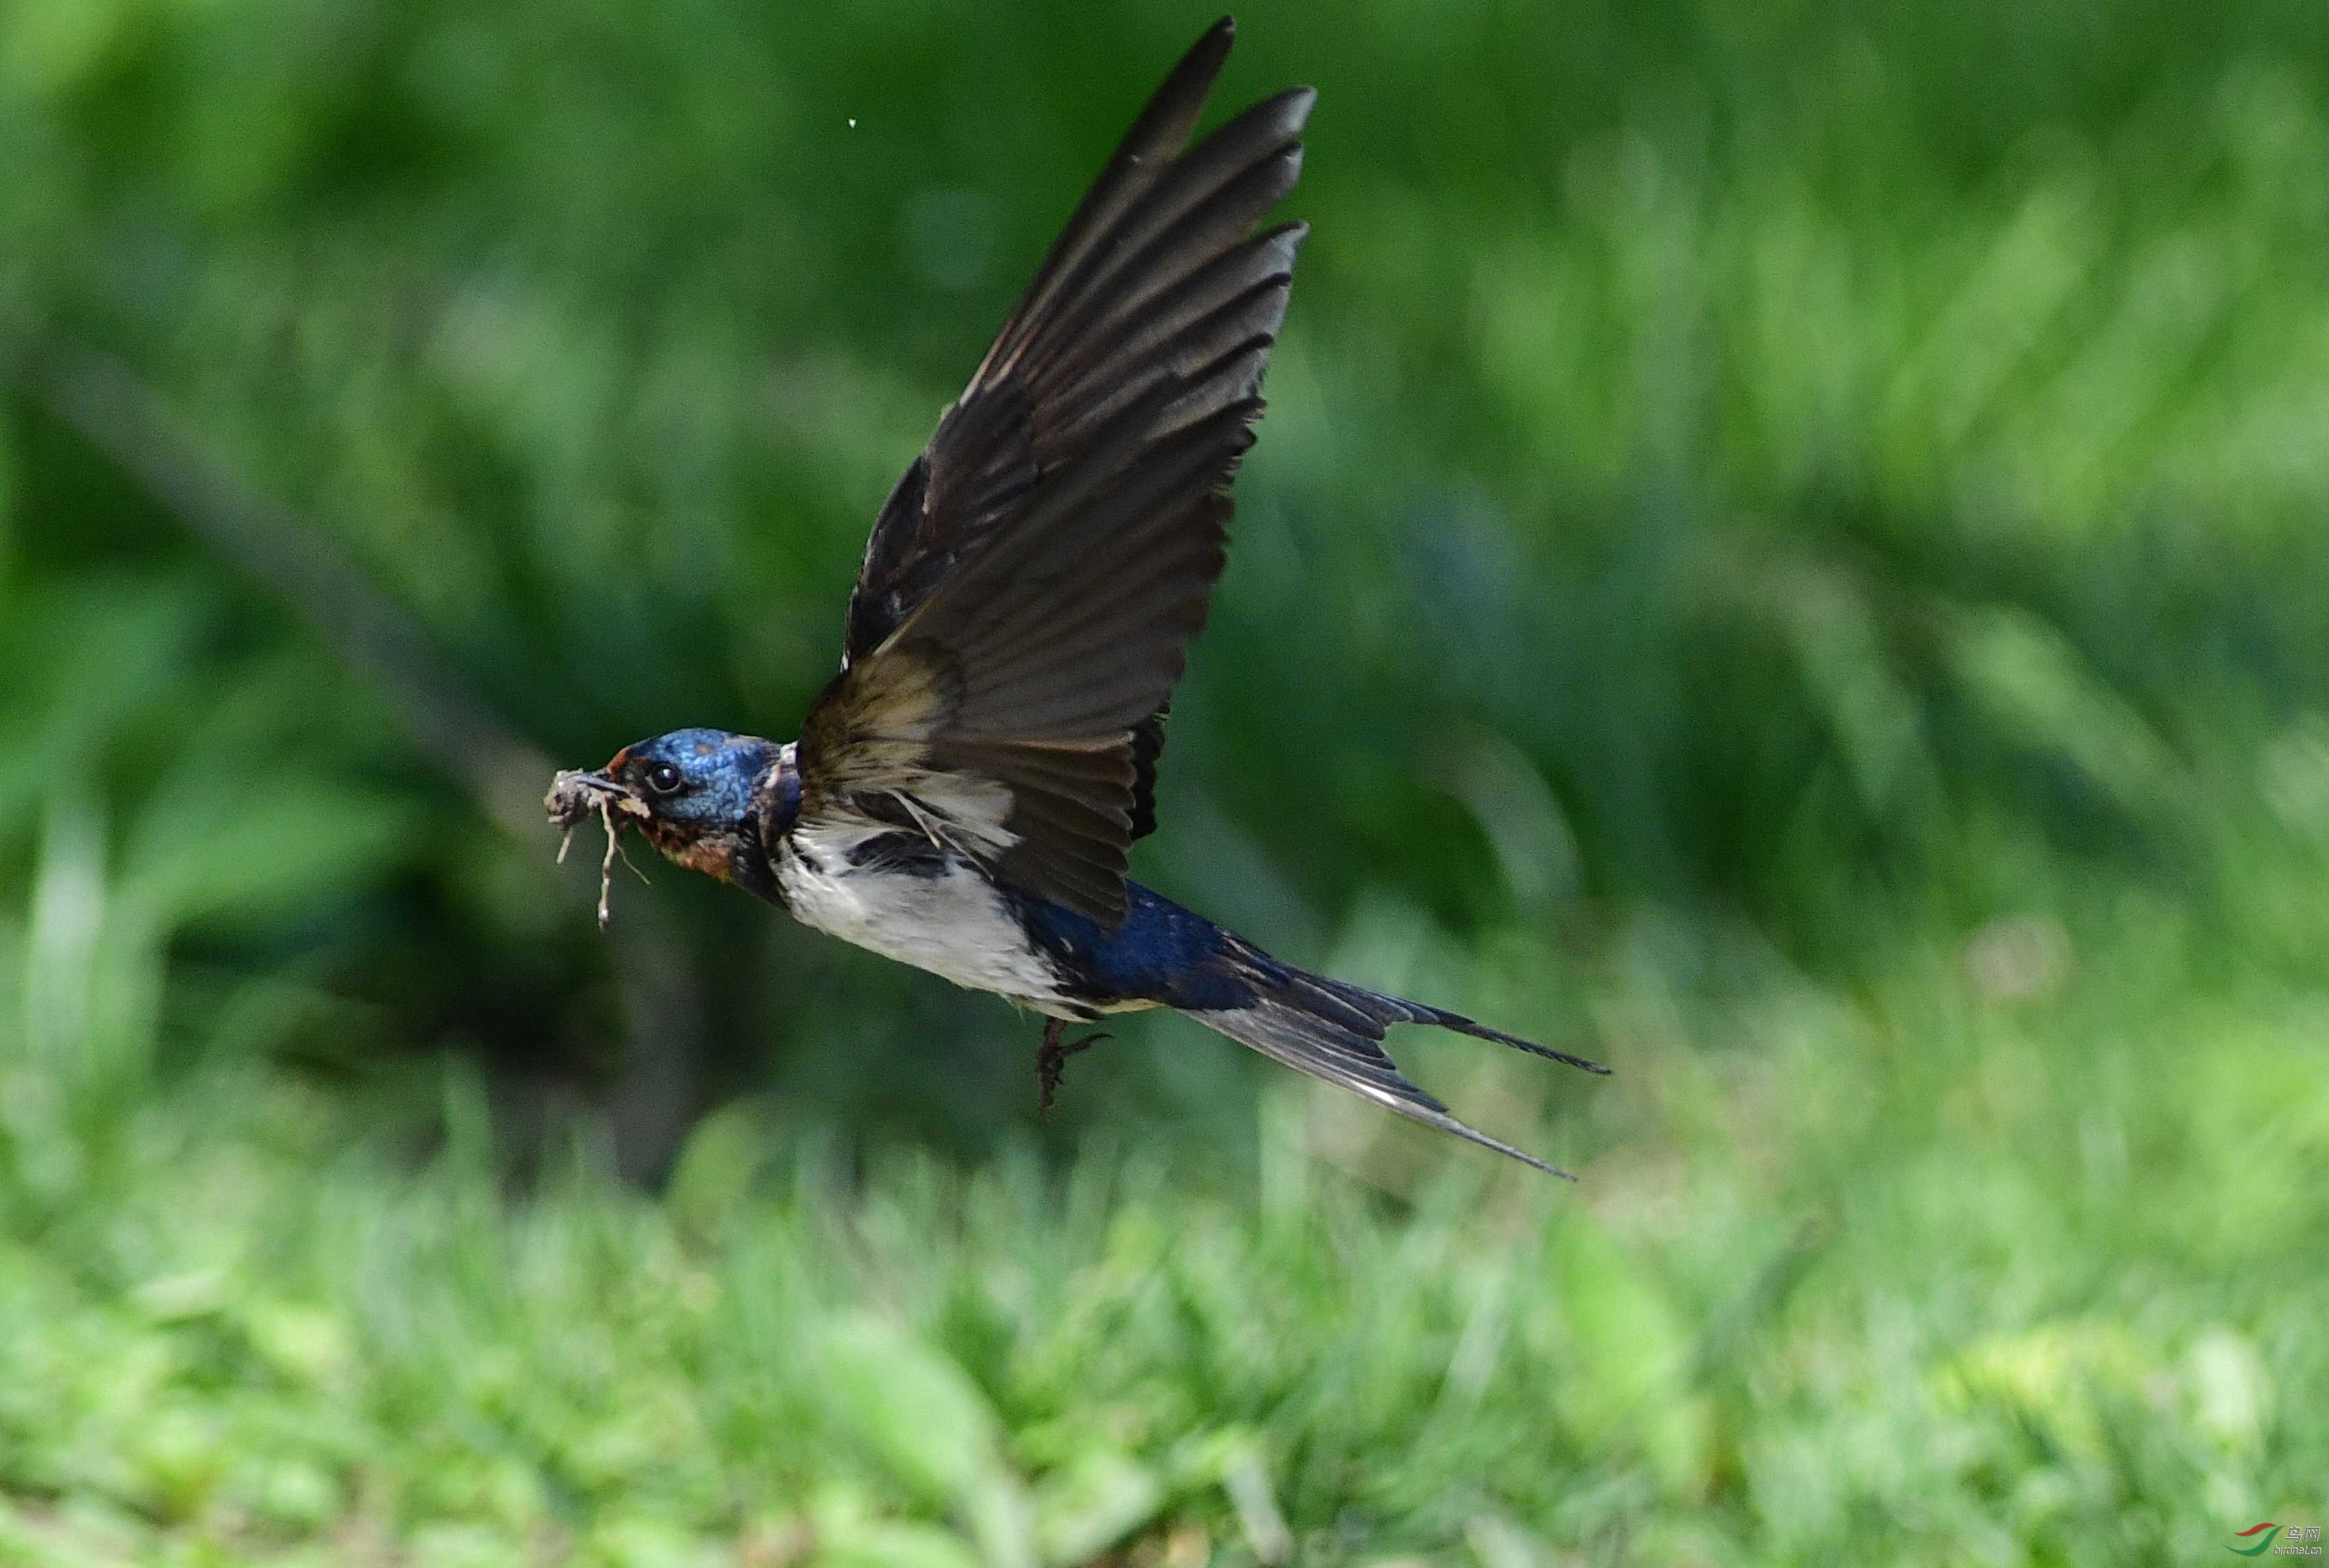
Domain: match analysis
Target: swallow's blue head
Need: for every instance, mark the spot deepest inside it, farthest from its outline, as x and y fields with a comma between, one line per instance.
x=697, y=779
x=712, y=801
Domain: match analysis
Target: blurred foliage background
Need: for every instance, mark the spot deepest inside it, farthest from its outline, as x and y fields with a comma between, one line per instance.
x=1786, y=555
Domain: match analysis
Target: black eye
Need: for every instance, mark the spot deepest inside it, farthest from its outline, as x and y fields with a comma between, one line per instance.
x=665, y=778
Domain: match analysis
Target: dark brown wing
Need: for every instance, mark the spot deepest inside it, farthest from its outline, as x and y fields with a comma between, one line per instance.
x=1033, y=582
x=1147, y=746
x=1119, y=292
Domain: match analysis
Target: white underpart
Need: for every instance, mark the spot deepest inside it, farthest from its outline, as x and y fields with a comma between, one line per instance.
x=955, y=925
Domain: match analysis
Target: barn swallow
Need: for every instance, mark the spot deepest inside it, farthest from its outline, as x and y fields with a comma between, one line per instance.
x=963, y=794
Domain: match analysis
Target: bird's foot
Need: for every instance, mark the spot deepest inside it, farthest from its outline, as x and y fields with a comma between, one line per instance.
x=1051, y=1061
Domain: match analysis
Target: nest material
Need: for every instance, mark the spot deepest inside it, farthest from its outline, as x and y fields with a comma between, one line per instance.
x=571, y=800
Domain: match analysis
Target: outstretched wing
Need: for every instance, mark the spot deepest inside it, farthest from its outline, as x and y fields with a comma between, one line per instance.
x=1032, y=583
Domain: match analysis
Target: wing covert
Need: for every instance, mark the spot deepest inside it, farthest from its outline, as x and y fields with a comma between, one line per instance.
x=1032, y=583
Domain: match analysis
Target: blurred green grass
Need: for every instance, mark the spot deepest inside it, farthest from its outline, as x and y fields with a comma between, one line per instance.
x=1999, y=1260
x=1802, y=529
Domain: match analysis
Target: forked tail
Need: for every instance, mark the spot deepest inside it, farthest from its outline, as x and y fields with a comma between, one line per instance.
x=1333, y=1030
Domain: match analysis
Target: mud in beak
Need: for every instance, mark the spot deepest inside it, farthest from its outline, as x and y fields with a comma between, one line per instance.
x=575, y=795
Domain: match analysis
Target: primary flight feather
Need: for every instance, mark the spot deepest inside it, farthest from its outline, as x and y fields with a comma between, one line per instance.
x=963, y=795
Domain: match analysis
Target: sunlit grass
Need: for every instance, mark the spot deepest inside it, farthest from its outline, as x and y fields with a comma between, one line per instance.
x=2005, y=1257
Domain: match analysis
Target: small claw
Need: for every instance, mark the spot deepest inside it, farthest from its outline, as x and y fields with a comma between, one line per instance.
x=1052, y=1064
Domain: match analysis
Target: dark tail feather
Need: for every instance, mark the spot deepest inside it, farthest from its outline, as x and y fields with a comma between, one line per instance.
x=1333, y=1030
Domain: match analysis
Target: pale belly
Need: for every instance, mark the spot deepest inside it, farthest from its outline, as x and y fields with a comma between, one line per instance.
x=953, y=924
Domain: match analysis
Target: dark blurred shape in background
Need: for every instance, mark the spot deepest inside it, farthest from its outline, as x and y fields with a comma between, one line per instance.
x=1746, y=455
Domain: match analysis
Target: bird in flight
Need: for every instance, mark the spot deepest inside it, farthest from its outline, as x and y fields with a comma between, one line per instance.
x=964, y=792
